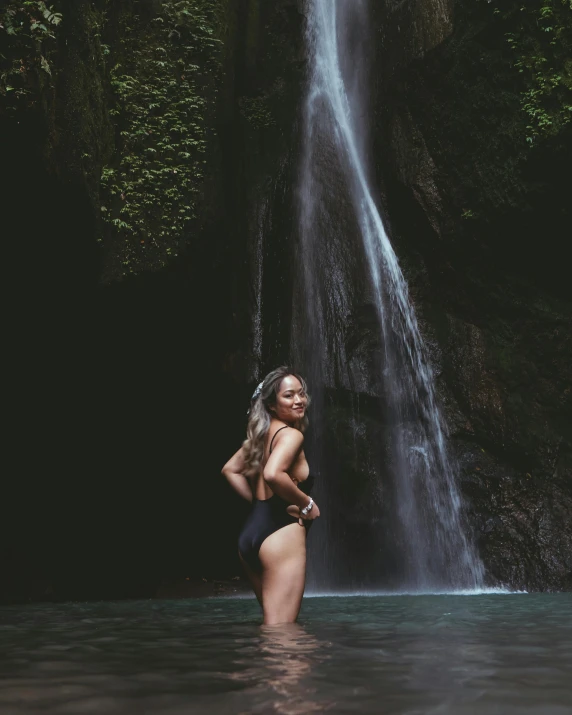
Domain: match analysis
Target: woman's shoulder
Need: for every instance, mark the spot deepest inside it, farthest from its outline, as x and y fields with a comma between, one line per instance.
x=285, y=434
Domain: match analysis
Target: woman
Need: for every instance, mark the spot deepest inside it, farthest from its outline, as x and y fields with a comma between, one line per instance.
x=271, y=471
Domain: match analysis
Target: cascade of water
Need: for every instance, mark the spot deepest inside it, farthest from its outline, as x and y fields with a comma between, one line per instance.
x=257, y=262
x=336, y=203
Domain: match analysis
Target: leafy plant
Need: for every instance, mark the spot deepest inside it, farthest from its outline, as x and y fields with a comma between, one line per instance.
x=163, y=84
x=27, y=41
x=540, y=37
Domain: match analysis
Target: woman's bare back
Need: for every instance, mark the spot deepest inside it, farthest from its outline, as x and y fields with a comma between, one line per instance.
x=298, y=471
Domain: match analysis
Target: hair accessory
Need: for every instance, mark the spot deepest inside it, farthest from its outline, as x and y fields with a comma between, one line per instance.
x=255, y=395
x=257, y=392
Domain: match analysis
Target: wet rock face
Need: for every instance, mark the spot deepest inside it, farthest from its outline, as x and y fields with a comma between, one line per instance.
x=516, y=466
x=477, y=388
x=482, y=244
x=259, y=145
x=406, y=29
x=521, y=521
x=465, y=200
x=416, y=168
x=476, y=219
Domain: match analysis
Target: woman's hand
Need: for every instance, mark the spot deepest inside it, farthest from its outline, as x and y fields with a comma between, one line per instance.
x=233, y=471
x=296, y=512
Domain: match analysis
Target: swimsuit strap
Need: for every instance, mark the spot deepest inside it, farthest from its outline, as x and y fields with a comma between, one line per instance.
x=272, y=440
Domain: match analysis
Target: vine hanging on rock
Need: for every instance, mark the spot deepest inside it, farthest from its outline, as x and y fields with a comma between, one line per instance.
x=540, y=37
x=27, y=43
x=163, y=84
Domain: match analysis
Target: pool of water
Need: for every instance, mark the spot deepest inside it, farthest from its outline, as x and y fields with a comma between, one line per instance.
x=438, y=655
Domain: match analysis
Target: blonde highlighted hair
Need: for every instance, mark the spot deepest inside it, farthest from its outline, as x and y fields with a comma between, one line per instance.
x=260, y=416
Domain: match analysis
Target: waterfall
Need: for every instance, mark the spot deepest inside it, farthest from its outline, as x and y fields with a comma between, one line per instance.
x=257, y=264
x=342, y=234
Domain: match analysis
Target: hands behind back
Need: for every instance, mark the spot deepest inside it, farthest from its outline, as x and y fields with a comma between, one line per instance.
x=296, y=512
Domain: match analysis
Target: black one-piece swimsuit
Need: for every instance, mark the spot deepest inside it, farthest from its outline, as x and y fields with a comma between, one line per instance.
x=266, y=517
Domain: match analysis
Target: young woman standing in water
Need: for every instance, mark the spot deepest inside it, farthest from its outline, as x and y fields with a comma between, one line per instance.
x=271, y=471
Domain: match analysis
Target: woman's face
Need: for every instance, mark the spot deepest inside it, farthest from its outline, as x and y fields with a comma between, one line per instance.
x=291, y=400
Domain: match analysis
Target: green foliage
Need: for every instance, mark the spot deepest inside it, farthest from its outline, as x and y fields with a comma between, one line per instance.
x=540, y=36
x=257, y=112
x=27, y=41
x=163, y=84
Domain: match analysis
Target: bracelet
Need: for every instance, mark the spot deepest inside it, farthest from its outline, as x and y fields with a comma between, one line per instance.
x=308, y=508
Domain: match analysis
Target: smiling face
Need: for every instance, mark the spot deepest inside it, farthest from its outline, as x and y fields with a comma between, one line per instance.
x=291, y=401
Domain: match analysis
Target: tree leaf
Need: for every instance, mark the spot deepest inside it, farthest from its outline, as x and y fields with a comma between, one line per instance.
x=45, y=65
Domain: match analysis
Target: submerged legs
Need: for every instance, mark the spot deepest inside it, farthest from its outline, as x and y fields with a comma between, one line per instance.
x=283, y=559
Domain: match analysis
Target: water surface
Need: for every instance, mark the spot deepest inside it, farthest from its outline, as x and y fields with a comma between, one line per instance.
x=438, y=655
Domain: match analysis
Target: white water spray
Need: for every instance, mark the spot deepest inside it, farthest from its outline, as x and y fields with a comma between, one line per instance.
x=430, y=536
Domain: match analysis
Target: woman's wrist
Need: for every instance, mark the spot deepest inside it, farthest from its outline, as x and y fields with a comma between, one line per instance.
x=308, y=508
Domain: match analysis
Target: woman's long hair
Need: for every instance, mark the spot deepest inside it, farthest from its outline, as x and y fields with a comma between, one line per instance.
x=260, y=416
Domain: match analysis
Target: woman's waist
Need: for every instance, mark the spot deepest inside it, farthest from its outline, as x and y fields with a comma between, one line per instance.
x=307, y=484
x=304, y=486
x=272, y=500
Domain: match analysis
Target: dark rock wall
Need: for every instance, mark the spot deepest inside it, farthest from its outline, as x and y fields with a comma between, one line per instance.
x=260, y=144
x=118, y=385
x=481, y=223
x=115, y=385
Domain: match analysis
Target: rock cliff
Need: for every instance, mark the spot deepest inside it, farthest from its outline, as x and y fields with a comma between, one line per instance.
x=475, y=192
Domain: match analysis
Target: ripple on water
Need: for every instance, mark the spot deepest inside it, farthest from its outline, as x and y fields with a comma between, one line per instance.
x=412, y=655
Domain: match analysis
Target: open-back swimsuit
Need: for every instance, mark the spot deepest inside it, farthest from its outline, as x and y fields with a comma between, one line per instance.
x=266, y=517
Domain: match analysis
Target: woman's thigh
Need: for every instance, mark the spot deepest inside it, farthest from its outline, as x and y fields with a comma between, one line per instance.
x=254, y=578
x=283, y=559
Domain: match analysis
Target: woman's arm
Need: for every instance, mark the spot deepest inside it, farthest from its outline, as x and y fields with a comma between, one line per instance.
x=233, y=471
x=288, y=446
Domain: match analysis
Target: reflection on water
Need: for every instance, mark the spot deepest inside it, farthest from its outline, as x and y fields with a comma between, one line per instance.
x=406, y=655
x=280, y=665
x=288, y=653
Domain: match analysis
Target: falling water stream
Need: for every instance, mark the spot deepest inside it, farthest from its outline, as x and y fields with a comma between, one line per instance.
x=342, y=233
x=257, y=259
